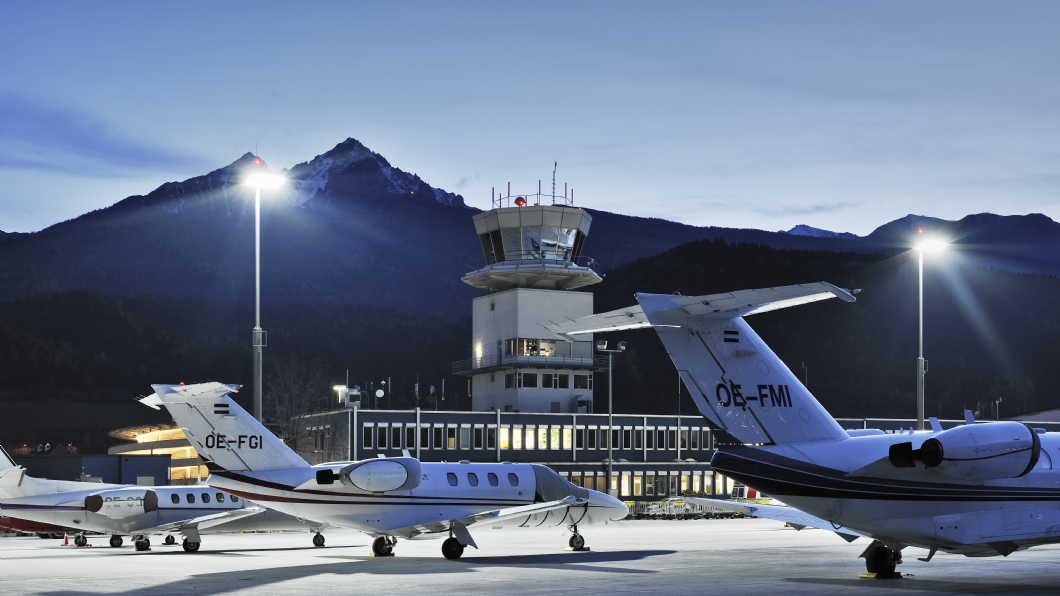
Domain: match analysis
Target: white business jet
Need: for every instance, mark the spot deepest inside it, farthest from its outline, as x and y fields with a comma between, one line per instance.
x=385, y=498
x=137, y=511
x=977, y=490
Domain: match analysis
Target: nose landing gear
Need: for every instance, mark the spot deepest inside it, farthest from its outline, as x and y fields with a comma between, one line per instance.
x=577, y=541
x=170, y=540
x=318, y=539
x=80, y=540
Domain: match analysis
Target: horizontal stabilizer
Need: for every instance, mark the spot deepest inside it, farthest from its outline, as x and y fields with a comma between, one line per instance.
x=728, y=305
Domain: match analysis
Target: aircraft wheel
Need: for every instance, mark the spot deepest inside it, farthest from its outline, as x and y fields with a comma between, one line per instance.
x=80, y=540
x=318, y=539
x=142, y=544
x=170, y=540
x=880, y=560
x=190, y=547
x=577, y=542
x=452, y=549
x=382, y=547
x=116, y=541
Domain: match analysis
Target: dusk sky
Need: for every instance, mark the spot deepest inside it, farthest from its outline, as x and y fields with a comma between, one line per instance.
x=840, y=115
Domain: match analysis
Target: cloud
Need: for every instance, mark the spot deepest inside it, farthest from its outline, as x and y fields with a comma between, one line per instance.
x=790, y=210
x=462, y=183
x=35, y=136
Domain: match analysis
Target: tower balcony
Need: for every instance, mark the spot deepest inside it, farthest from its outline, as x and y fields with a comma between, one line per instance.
x=488, y=364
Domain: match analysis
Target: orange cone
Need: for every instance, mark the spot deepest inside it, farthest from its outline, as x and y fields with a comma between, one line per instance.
x=66, y=540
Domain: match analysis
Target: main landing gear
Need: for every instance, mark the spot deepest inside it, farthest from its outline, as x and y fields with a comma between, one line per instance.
x=170, y=540
x=190, y=547
x=141, y=543
x=318, y=539
x=577, y=541
x=383, y=546
x=116, y=541
x=452, y=549
x=881, y=560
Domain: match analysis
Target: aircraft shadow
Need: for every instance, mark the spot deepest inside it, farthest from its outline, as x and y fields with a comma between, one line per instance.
x=914, y=585
x=227, y=581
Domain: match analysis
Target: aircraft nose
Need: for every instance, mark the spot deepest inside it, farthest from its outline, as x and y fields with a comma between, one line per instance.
x=615, y=509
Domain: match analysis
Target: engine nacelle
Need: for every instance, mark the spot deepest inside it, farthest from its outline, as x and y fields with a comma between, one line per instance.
x=123, y=502
x=383, y=475
x=983, y=451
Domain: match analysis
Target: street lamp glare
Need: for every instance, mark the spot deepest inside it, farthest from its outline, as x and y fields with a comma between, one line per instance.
x=261, y=180
x=931, y=245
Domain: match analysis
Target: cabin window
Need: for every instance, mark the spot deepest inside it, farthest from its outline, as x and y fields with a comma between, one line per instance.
x=513, y=479
x=234, y=498
x=451, y=477
x=175, y=498
x=472, y=479
x=492, y=479
x=191, y=498
x=205, y=497
x=220, y=497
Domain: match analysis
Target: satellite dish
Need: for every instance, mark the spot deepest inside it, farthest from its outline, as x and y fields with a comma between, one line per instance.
x=379, y=393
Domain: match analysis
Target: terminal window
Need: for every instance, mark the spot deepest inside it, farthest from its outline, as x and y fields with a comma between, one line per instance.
x=528, y=379
x=649, y=437
x=450, y=436
x=382, y=436
x=491, y=438
x=583, y=381
x=504, y=437
x=425, y=438
x=438, y=437
x=395, y=437
x=368, y=440
x=410, y=437
x=509, y=381
x=478, y=437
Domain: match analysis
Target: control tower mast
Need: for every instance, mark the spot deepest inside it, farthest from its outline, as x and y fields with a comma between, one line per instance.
x=532, y=245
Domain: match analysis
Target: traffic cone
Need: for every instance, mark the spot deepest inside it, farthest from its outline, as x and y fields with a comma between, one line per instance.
x=66, y=539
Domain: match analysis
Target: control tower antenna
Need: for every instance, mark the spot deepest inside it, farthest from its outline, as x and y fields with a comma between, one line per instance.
x=554, y=166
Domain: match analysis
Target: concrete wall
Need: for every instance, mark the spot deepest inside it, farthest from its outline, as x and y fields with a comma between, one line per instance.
x=521, y=312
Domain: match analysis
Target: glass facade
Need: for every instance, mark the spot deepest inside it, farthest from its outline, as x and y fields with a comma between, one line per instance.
x=532, y=243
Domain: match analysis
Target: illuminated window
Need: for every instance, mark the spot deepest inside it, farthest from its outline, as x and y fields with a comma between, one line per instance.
x=553, y=438
x=517, y=437
x=451, y=477
x=566, y=437
x=638, y=485
x=542, y=438
x=504, y=437
x=529, y=439
x=450, y=436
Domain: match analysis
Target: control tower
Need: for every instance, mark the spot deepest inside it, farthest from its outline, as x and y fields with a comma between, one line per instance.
x=532, y=254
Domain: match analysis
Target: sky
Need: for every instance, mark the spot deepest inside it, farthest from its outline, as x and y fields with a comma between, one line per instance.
x=838, y=115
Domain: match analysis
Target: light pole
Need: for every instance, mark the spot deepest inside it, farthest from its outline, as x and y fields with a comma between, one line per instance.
x=921, y=364
x=601, y=346
x=258, y=181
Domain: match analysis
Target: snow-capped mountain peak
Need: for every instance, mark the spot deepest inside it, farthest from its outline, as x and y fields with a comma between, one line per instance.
x=805, y=230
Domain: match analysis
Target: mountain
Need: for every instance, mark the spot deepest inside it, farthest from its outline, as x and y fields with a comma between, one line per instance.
x=804, y=230
x=987, y=333
x=350, y=228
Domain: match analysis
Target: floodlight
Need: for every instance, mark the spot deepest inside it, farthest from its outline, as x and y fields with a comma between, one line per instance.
x=601, y=344
x=931, y=245
x=264, y=180
x=621, y=346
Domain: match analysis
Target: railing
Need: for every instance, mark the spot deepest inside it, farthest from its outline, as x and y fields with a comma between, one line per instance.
x=546, y=256
x=534, y=199
x=463, y=366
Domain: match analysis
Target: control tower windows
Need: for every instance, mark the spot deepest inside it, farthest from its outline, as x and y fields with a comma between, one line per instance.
x=527, y=379
x=509, y=381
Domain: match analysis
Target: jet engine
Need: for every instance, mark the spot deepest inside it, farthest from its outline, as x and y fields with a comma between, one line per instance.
x=377, y=475
x=976, y=452
x=123, y=502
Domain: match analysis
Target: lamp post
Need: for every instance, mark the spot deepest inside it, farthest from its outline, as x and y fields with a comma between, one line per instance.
x=601, y=346
x=921, y=364
x=258, y=181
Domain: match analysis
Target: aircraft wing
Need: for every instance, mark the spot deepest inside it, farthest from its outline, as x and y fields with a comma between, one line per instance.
x=197, y=524
x=727, y=305
x=789, y=515
x=460, y=525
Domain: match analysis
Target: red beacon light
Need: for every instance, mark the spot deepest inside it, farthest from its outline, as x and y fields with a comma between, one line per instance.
x=520, y=201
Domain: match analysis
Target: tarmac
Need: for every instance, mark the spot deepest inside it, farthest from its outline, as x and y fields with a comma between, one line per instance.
x=745, y=557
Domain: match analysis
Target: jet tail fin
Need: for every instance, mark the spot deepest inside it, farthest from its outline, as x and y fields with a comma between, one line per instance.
x=225, y=435
x=737, y=382
x=5, y=460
